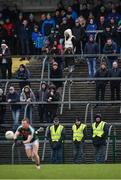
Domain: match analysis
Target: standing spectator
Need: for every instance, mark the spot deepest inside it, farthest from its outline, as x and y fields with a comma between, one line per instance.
x=13, y=97
x=102, y=72
x=47, y=25
x=2, y=108
x=69, y=49
x=110, y=47
x=56, y=73
x=38, y=41
x=79, y=134
x=41, y=96
x=73, y=13
x=56, y=136
x=28, y=96
x=52, y=96
x=99, y=135
x=23, y=74
x=5, y=61
x=42, y=19
x=79, y=34
x=76, y=6
x=91, y=47
x=63, y=27
x=115, y=84
x=25, y=34
x=91, y=26
x=57, y=17
x=10, y=29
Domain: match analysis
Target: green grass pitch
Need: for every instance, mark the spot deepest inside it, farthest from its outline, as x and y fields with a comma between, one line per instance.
x=66, y=171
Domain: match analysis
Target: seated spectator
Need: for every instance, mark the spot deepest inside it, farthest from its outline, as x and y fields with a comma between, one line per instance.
x=28, y=96
x=72, y=13
x=2, y=108
x=91, y=47
x=23, y=74
x=47, y=25
x=38, y=41
x=69, y=49
x=52, y=96
x=13, y=97
x=5, y=61
x=102, y=72
x=41, y=95
x=56, y=73
x=115, y=84
x=110, y=47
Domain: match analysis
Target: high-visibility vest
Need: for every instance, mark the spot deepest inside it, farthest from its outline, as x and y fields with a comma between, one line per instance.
x=56, y=135
x=78, y=132
x=99, y=130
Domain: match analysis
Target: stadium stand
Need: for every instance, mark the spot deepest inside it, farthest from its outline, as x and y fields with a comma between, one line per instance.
x=82, y=91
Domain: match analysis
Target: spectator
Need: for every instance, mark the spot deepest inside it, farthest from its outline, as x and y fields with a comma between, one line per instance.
x=91, y=26
x=79, y=34
x=41, y=96
x=79, y=134
x=102, y=72
x=99, y=136
x=10, y=29
x=69, y=49
x=2, y=108
x=85, y=11
x=25, y=34
x=56, y=136
x=56, y=73
x=70, y=21
x=28, y=96
x=47, y=25
x=115, y=84
x=57, y=17
x=42, y=19
x=72, y=13
x=13, y=97
x=38, y=41
x=91, y=47
x=3, y=33
x=110, y=47
x=113, y=14
x=63, y=27
x=76, y=6
x=101, y=23
x=96, y=9
x=52, y=96
x=5, y=61
x=23, y=74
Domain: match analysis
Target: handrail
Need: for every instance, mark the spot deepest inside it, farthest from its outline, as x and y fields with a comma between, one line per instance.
x=6, y=86
x=43, y=68
x=63, y=96
x=86, y=113
x=12, y=155
x=44, y=145
x=63, y=79
x=108, y=141
x=69, y=95
x=25, y=109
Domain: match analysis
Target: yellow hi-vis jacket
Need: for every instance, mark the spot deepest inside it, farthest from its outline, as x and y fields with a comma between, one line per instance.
x=99, y=130
x=78, y=133
x=56, y=135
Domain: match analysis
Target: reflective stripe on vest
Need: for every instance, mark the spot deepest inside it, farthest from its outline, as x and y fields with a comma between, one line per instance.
x=78, y=133
x=56, y=135
x=99, y=130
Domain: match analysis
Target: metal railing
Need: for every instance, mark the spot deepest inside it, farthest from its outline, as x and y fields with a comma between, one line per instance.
x=108, y=142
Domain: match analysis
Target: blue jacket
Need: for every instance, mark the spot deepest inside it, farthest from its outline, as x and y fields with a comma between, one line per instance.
x=38, y=39
x=47, y=26
x=74, y=15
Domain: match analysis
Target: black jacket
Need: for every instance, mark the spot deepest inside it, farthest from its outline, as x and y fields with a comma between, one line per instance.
x=6, y=55
x=100, y=73
x=56, y=74
x=115, y=73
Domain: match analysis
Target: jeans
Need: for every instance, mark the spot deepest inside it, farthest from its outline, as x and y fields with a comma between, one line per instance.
x=57, y=154
x=100, y=154
x=15, y=116
x=78, y=151
x=91, y=62
x=28, y=113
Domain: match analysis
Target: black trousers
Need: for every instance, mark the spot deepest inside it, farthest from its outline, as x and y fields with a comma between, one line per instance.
x=6, y=68
x=100, y=92
x=78, y=152
x=115, y=91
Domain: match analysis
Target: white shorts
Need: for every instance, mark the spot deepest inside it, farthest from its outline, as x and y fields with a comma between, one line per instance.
x=30, y=145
